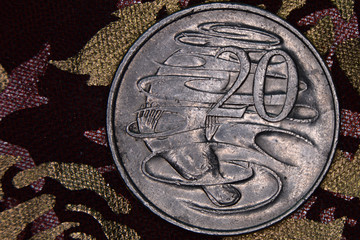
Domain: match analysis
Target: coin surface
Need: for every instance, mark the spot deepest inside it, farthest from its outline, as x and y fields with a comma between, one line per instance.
x=222, y=119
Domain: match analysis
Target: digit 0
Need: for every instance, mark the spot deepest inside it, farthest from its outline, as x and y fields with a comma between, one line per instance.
x=259, y=85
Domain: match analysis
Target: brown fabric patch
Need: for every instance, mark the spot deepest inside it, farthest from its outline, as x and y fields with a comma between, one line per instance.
x=52, y=233
x=322, y=35
x=288, y=6
x=297, y=229
x=14, y=220
x=4, y=79
x=112, y=229
x=75, y=177
x=101, y=56
x=348, y=54
x=344, y=175
x=346, y=8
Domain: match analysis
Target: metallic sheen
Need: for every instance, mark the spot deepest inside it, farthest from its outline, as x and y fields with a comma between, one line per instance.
x=222, y=119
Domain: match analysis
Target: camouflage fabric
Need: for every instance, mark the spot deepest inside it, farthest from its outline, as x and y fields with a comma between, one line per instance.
x=58, y=180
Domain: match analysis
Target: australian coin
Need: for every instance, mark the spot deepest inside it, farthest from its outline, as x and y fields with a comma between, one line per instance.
x=222, y=119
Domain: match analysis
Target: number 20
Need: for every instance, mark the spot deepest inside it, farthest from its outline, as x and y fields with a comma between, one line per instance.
x=259, y=85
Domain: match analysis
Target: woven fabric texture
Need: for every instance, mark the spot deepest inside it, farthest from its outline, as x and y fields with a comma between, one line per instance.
x=58, y=180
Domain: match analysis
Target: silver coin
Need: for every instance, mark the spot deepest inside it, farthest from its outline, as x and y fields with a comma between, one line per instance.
x=222, y=119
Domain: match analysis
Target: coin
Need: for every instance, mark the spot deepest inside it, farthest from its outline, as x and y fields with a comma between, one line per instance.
x=222, y=119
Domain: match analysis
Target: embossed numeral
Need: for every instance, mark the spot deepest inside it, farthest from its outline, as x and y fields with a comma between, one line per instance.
x=244, y=62
x=259, y=84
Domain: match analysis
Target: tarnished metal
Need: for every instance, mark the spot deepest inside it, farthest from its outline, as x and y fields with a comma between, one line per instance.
x=222, y=119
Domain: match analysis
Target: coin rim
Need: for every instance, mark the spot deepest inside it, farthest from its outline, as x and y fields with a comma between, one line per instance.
x=127, y=59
